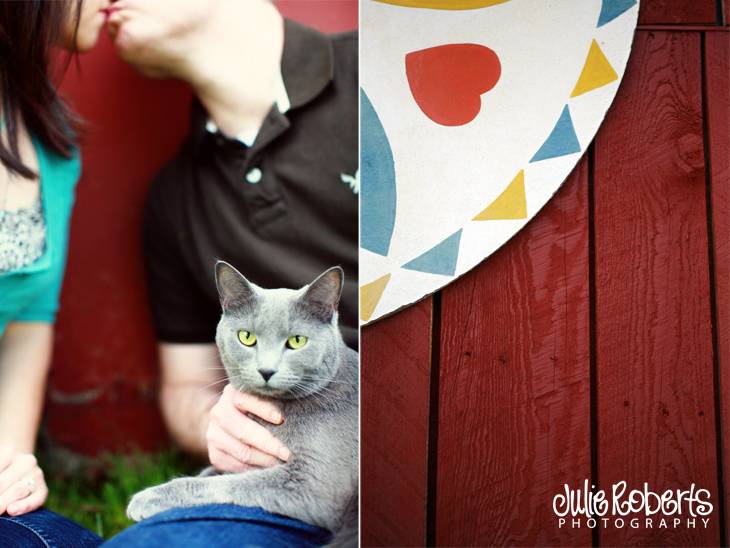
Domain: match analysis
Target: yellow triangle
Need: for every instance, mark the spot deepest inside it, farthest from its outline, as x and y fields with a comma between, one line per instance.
x=370, y=296
x=511, y=204
x=596, y=72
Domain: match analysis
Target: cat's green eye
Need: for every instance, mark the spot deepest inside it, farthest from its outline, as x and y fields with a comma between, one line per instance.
x=246, y=337
x=297, y=341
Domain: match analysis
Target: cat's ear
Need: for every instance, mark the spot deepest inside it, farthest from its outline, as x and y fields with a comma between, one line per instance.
x=323, y=294
x=234, y=290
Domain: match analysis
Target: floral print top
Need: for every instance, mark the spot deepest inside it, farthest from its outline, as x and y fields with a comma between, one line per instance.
x=22, y=236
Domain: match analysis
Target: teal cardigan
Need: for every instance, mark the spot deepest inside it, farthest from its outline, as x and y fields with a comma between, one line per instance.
x=30, y=294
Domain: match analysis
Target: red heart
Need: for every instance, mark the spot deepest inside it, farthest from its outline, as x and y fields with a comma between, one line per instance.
x=447, y=81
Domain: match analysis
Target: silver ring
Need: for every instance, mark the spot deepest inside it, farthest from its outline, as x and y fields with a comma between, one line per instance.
x=30, y=484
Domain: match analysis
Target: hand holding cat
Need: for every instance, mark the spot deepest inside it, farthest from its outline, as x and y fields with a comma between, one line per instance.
x=22, y=486
x=235, y=441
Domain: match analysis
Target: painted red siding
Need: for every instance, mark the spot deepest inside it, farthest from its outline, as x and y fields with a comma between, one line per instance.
x=653, y=322
x=514, y=421
x=396, y=396
x=717, y=70
x=595, y=343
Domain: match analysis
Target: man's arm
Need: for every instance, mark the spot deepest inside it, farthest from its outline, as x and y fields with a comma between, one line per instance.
x=192, y=382
x=203, y=414
x=207, y=417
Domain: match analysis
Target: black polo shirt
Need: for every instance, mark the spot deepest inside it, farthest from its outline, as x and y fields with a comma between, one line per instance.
x=281, y=211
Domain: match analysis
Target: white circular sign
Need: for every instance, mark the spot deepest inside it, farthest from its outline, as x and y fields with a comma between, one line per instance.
x=473, y=113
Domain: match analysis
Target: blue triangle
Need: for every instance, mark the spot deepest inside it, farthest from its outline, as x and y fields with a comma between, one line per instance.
x=561, y=141
x=440, y=259
x=610, y=9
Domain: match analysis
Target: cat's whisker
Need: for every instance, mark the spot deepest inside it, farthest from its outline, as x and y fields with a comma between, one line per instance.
x=310, y=376
x=302, y=390
x=328, y=381
x=326, y=388
x=322, y=394
x=211, y=385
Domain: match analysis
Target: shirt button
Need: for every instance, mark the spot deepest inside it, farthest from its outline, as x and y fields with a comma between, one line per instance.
x=254, y=176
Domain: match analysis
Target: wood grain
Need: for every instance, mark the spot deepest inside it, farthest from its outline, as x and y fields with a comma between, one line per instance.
x=514, y=421
x=654, y=357
x=395, y=375
x=655, y=12
x=717, y=67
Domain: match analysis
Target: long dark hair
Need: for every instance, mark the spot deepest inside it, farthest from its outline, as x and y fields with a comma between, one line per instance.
x=28, y=32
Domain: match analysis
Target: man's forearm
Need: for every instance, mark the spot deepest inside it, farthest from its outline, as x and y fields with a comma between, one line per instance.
x=185, y=408
x=192, y=380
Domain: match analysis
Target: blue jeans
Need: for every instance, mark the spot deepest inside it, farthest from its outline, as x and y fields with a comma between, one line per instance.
x=44, y=529
x=215, y=525
x=197, y=527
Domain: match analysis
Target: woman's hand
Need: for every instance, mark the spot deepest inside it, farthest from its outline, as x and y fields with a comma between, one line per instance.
x=22, y=485
x=235, y=441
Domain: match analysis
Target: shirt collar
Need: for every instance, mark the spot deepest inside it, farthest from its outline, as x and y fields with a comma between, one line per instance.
x=281, y=100
x=307, y=62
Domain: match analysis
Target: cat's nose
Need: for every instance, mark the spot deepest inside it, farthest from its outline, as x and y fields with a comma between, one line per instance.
x=266, y=374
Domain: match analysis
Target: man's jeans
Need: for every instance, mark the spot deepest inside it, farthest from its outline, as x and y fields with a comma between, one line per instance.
x=207, y=526
x=216, y=525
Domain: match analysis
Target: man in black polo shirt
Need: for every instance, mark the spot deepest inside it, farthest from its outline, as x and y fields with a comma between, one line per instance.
x=266, y=180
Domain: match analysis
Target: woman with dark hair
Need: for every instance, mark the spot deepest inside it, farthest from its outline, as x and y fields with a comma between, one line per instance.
x=38, y=172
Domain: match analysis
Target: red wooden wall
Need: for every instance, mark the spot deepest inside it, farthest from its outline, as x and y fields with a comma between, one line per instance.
x=595, y=345
x=102, y=390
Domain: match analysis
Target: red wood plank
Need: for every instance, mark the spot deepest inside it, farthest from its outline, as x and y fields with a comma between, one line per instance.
x=394, y=382
x=717, y=66
x=654, y=357
x=653, y=12
x=514, y=413
x=686, y=28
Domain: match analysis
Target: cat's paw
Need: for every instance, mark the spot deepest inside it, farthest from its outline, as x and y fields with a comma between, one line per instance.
x=146, y=504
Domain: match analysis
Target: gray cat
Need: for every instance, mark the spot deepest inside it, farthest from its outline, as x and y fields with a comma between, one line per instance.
x=285, y=345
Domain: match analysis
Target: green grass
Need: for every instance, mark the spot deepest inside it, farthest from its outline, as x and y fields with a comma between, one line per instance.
x=97, y=497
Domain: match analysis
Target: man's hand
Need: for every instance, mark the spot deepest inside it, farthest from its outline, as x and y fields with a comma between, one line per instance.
x=205, y=422
x=235, y=441
x=22, y=485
